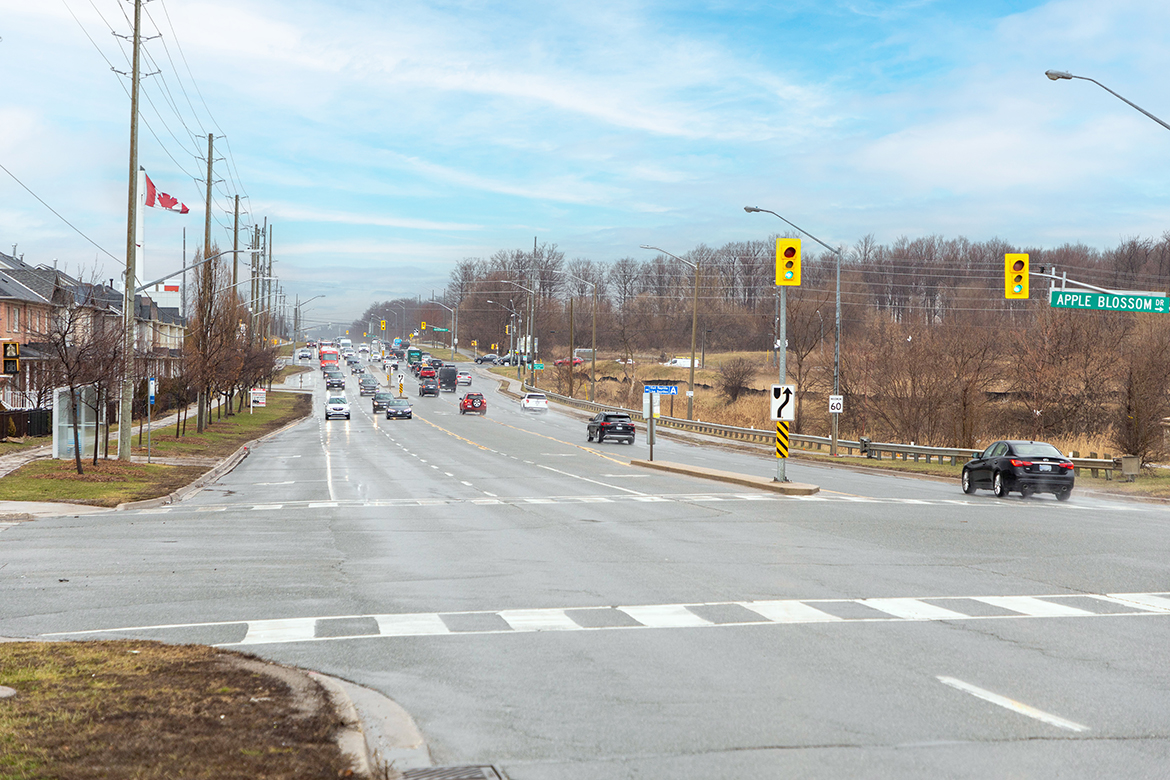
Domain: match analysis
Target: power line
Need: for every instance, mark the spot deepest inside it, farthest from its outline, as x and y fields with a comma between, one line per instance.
x=50, y=208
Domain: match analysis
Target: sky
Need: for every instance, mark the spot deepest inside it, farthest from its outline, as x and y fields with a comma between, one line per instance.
x=387, y=141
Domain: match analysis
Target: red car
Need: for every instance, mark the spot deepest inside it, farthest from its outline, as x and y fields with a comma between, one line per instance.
x=473, y=402
x=565, y=361
x=426, y=373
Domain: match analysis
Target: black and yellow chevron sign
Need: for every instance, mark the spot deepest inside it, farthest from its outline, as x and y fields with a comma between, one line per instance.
x=781, y=440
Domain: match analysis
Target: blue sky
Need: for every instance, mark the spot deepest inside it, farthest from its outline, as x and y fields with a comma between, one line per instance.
x=387, y=141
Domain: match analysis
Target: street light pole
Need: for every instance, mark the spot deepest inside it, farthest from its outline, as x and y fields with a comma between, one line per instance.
x=837, y=329
x=1057, y=75
x=694, y=326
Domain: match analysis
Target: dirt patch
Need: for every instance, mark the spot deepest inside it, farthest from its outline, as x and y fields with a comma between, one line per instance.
x=145, y=710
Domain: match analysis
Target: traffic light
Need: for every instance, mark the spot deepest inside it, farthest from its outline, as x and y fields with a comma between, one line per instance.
x=383, y=324
x=1015, y=276
x=424, y=326
x=788, y=262
x=11, y=357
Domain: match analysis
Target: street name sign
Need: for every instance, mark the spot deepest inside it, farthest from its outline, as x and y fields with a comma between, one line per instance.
x=1154, y=303
x=661, y=389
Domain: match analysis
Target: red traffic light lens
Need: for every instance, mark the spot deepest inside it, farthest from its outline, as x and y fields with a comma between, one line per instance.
x=1018, y=265
x=790, y=251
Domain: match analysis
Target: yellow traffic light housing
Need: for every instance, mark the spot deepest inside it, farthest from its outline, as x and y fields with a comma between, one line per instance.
x=788, y=262
x=424, y=326
x=383, y=324
x=1015, y=276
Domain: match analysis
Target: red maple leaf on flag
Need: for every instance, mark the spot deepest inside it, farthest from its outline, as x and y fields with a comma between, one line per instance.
x=167, y=201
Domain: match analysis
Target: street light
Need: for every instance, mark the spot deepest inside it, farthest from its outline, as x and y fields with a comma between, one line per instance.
x=297, y=314
x=530, y=346
x=694, y=326
x=454, y=323
x=515, y=316
x=1057, y=75
x=836, y=329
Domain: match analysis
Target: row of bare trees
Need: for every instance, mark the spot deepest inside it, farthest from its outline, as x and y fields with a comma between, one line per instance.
x=931, y=351
x=222, y=357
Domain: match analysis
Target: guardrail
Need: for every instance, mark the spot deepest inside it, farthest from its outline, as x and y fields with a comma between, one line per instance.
x=872, y=449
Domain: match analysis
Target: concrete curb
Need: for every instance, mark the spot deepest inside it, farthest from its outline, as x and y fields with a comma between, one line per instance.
x=225, y=466
x=761, y=483
x=376, y=732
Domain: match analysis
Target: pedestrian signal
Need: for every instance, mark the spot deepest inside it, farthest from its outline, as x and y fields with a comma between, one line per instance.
x=788, y=262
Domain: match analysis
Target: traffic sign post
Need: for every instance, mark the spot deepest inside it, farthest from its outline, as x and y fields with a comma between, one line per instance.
x=150, y=386
x=652, y=410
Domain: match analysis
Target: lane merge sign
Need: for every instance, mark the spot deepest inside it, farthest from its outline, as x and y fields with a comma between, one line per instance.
x=1153, y=303
x=783, y=403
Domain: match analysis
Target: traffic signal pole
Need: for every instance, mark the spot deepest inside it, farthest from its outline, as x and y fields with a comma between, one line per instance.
x=782, y=355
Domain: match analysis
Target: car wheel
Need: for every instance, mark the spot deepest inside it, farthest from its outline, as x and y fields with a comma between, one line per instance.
x=968, y=487
x=600, y=437
x=1063, y=494
x=1026, y=492
x=588, y=435
x=998, y=486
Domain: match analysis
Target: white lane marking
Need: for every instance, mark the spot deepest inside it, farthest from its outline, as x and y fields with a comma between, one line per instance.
x=665, y=616
x=324, y=504
x=789, y=612
x=594, y=481
x=1013, y=705
x=493, y=495
x=539, y=501
x=411, y=625
x=448, y=473
x=912, y=609
x=211, y=509
x=1142, y=600
x=466, y=483
x=595, y=500
x=286, y=630
x=539, y=620
x=266, y=507
x=1033, y=607
x=328, y=473
x=289, y=482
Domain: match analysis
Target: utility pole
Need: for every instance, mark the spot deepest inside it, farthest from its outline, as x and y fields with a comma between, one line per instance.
x=268, y=284
x=254, y=300
x=204, y=405
x=126, y=408
x=572, y=341
x=236, y=250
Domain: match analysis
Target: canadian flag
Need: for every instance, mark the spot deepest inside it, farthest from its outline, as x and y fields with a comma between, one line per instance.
x=161, y=200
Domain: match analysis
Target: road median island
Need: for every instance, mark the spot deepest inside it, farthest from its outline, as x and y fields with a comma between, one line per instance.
x=111, y=483
x=747, y=480
x=145, y=710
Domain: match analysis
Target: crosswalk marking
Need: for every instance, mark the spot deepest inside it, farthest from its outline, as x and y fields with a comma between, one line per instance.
x=539, y=620
x=698, y=498
x=666, y=616
x=1033, y=607
x=789, y=612
x=912, y=609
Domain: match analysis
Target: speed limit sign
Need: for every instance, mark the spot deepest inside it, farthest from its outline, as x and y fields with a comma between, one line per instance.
x=836, y=404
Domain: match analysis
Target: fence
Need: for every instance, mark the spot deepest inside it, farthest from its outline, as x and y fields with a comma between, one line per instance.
x=18, y=423
x=871, y=449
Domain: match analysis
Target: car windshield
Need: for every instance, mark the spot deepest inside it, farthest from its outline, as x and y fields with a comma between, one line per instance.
x=382, y=396
x=1036, y=449
x=399, y=402
x=339, y=399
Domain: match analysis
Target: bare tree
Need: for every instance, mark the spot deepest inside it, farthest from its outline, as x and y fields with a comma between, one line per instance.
x=735, y=376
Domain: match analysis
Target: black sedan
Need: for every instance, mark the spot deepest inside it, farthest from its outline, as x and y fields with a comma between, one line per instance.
x=1024, y=466
x=399, y=409
x=610, y=425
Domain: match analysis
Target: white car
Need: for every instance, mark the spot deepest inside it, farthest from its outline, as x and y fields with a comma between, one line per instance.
x=534, y=402
x=336, y=406
x=463, y=378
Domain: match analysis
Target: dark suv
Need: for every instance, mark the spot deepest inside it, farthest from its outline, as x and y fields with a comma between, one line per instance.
x=381, y=399
x=610, y=425
x=428, y=386
x=334, y=378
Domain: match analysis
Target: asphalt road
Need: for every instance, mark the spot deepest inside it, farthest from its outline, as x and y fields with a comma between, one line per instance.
x=538, y=604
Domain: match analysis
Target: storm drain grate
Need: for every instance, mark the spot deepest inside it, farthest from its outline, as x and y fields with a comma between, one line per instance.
x=453, y=773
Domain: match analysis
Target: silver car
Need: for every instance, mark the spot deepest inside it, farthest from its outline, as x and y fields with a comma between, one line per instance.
x=336, y=406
